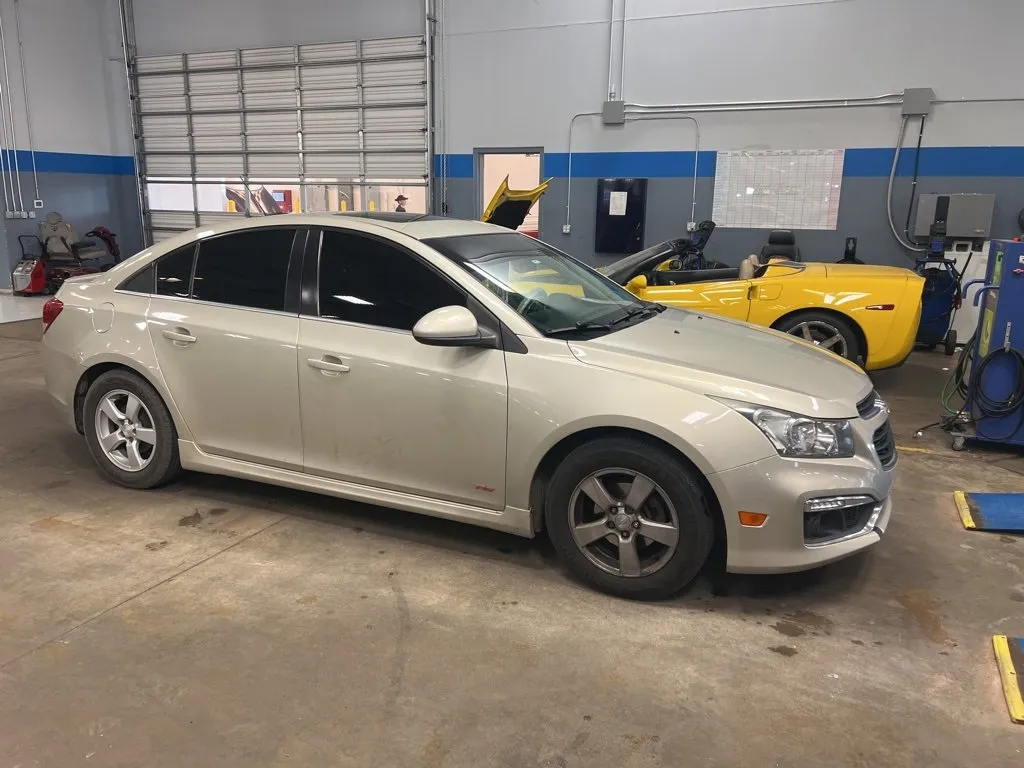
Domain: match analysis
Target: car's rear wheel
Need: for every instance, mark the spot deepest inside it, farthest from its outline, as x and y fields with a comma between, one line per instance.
x=130, y=432
x=825, y=330
x=628, y=518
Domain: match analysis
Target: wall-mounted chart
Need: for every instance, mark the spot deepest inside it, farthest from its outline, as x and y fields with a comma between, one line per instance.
x=778, y=189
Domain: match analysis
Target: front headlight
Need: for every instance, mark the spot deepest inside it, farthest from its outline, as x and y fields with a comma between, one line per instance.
x=799, y=436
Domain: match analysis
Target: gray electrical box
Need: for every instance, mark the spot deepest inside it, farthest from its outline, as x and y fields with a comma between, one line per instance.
x=917, y=101
x=969, y=217
x=613, y=113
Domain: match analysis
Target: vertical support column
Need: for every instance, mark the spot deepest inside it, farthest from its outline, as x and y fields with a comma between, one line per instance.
x=429, y=27
x=361, y=124
x=299, y=130
x=127, y=17
x=186, y=80
x=243, y=134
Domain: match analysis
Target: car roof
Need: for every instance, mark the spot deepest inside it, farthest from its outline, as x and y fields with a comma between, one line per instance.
x=416, y=225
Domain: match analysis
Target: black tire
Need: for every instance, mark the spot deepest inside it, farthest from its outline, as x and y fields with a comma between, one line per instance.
x=841, y=325
x=950, y=343
x=164, y=464
x=695, y=525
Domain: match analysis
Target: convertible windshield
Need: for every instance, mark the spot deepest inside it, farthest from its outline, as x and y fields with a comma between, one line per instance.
x=556, y=293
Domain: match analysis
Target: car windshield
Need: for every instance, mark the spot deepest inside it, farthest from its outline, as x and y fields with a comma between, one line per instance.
x=557, y=294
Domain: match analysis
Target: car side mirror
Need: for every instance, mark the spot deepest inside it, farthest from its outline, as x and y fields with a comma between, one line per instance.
x=452, y=326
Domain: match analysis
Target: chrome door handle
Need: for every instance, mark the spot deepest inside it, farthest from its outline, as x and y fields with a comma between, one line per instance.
x=180, y=337
x=329, y=366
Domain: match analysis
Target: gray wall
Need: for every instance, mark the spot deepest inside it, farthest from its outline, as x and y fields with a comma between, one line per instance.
x=78, y=109
x=187, y=26
x=718, y=50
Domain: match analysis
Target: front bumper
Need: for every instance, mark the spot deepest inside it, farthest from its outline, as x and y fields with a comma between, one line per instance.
x=779, y=487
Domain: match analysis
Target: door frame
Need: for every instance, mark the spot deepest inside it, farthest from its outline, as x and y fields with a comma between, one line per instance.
x=478, y=170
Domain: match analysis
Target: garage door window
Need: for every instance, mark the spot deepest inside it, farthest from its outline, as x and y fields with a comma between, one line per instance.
x=248, y=269
x=366, y=281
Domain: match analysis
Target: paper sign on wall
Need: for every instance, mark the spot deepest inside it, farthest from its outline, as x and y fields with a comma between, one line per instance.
x=617, y=204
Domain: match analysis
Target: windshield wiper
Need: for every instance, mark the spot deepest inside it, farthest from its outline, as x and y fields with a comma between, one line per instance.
x=645, y=311
x=582, y=325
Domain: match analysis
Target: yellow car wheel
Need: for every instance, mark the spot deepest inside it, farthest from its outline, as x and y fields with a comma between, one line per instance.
x=825, y=330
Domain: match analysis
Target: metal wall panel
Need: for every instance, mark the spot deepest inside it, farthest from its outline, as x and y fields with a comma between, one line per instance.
x=320, y=118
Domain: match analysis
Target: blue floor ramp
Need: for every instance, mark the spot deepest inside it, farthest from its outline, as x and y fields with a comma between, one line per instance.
x=1002, y=512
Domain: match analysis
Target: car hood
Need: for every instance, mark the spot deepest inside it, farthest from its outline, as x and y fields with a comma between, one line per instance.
x=509, y=207
x=730, y=359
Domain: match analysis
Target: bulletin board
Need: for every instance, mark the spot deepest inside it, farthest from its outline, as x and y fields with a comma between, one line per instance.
x=778, y=189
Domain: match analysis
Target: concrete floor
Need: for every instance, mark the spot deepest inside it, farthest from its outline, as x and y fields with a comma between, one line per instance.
x=222, y=623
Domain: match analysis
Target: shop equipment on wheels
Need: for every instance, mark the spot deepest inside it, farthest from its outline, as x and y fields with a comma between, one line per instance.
x=993, y=385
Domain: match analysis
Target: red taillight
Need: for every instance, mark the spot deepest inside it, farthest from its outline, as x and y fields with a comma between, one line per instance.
x=51, y=310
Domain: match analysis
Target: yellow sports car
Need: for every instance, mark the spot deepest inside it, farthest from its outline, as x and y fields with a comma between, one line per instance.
x=865, y=313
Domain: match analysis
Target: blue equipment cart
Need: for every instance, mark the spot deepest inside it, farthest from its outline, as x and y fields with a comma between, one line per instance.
x=995, y=393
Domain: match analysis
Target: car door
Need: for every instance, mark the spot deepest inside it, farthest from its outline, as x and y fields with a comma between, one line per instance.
x=225, y=337
x=378, y=407
x=730, y=298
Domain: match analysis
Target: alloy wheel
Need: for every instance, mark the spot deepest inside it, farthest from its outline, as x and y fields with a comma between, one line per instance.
x=823, y=335
x=125, y=430
x=623, y=522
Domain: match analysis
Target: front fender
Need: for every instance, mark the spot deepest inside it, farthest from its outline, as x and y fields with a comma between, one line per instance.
x=552, y=396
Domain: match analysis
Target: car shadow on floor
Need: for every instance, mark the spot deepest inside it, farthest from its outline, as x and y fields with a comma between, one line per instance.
x=714, y=586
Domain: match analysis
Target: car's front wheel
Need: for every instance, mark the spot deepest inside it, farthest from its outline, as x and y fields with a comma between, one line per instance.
x=130, y=432
x=628, y=518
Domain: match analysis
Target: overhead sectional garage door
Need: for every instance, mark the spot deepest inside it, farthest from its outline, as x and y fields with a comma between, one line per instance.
x=325, y=127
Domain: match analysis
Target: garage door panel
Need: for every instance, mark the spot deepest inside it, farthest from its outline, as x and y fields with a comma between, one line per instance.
x=212, y=83
x=332, y=166
x=172, y=220
x=217, y=125
x=331, y=121
x=273, y=142
x=388, y=73
x=218, y=101
x=290, y=115
x=394, y=46
x=164, y=125
x=274, y=166
x=342, y=97
x=334, y=76
x=393, y=94
x=328, y=52
x=395, y=166
x=168, y=165
x=219, y=165
x=395, y=118
x=167, y=143
x=212, y=59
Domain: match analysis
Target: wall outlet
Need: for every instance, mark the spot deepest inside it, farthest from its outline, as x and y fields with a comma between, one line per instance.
x=566, y=229
x=37, y=203
x=691, y=226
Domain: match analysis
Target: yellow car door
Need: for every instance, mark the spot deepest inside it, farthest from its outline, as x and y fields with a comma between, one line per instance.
x=730, y=298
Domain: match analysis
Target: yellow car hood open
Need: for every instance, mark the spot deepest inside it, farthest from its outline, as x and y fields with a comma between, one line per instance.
x=508, y=207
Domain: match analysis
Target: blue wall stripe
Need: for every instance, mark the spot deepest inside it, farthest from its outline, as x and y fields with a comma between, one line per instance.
x=71, y=162
x=859, y=162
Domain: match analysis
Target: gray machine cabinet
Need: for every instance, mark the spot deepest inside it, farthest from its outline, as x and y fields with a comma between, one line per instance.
x=970, y=215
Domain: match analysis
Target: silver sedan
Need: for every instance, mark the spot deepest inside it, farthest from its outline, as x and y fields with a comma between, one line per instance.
x=462, y=370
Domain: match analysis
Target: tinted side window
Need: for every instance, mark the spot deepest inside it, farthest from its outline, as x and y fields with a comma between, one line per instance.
x=367, y=281
x=247, y=269
x=141, y=282
x=174, y=272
